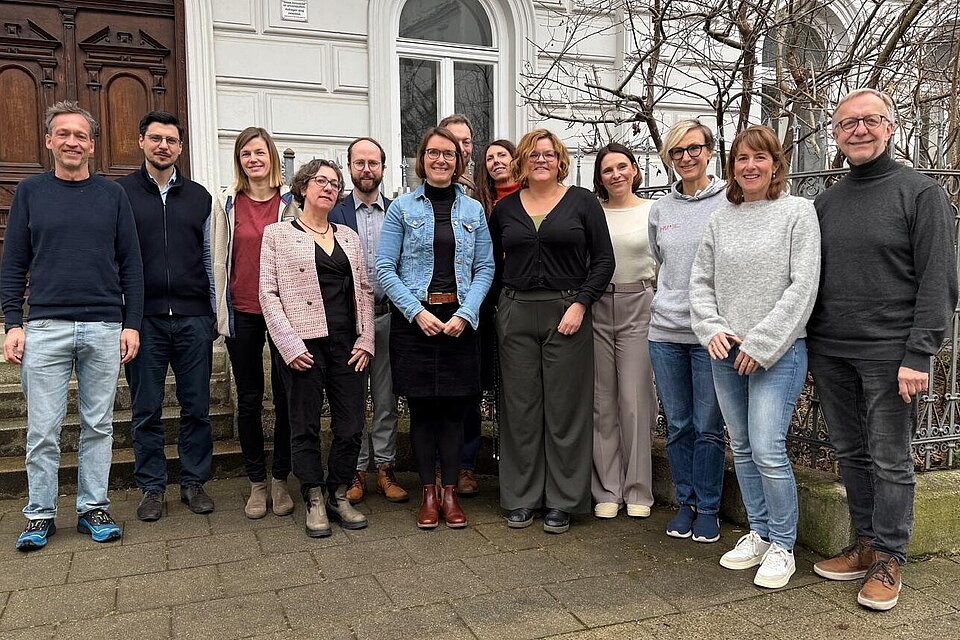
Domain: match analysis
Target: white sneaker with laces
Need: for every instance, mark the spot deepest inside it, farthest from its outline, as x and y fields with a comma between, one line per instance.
x=748, y=552
x=777, y=567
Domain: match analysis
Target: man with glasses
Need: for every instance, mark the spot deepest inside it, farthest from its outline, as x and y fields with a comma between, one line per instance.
x=173, y=224
x=459, y=125
x=363, y=211
x=888, y=290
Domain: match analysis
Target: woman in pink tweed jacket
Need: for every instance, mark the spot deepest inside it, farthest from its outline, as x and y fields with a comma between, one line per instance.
x=318, y=307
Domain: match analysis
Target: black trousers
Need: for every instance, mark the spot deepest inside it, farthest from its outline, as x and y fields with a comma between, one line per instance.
x=346, y=394
x=436, y=432
x=246, y=358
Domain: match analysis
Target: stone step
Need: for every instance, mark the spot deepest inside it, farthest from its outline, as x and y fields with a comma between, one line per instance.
x=13, y=431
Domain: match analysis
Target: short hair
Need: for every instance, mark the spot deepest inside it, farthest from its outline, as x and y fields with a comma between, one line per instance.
x=884, y=97
x=241, y=181
x=306, y=173
x=677, y=133
x=485, y=188
x=383, y=154
x=444, y=133
x=161, y=117
x=456, y=118
x=614, y=147
x=759, y=138
x=519, y=168
x=65, y=107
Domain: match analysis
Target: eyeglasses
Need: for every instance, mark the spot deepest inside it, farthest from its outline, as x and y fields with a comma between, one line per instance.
x=872, y=121
x=170, y=140
x=433, y=154
x=324, y=182
x=548, y=156
x=373, y=165
x=693, y=151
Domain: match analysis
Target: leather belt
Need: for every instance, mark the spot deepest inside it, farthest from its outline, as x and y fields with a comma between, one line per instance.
x=631, y=287
x=441, y=298
x=381, y=308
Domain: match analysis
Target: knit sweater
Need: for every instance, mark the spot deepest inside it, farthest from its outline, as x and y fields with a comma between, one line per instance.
x=675, y=225
x=631, y=243
x=889, y=282
x=755, y=275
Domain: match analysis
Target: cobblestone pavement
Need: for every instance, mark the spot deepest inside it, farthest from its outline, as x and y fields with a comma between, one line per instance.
x=224, y=576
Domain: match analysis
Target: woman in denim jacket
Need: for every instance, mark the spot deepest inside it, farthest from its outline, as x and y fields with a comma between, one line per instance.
x=435, y=263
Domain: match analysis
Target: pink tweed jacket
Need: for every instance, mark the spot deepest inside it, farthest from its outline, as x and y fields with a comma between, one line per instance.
x=290, y=290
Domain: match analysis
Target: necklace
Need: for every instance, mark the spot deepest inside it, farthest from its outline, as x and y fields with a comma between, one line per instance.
x=323, y=234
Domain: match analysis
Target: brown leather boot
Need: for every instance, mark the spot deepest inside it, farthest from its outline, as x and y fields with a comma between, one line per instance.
x=881, y=589
x=387, y=484
x=358, y=489
x=450, y=508
x=850, y=564
x=428, y=517
x=467, y=483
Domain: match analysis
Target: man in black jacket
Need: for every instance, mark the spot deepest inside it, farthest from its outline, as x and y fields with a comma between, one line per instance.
x=173, y=224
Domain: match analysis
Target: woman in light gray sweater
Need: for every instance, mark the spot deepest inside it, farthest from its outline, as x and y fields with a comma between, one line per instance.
x=752, y=288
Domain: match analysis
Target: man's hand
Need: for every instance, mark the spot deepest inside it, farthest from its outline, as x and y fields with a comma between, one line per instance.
x=129, y=345
x=13, y=345
x=911, y=382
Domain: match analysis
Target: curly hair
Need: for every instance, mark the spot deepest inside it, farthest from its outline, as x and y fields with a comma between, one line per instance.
x=306, y=173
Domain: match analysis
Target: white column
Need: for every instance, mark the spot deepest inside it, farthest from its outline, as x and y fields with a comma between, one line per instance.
x=202, y=138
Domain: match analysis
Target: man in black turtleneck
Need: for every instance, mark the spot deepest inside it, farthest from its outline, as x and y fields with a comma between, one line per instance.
x=888, y=290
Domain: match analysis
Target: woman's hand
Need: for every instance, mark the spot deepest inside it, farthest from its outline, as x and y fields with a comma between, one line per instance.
x=720, y=345
x=572, y=317
x=454, y=326
x=744, y=364
x=429, y=323
x=302, y=362
x=359, y=358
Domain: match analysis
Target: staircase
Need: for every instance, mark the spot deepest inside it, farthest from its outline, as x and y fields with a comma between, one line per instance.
x=227, y=459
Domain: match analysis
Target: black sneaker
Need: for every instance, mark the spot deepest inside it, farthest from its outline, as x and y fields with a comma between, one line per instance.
x=99, y=525
x=36, y=534
x=196, y=499
x=556, y=521
x=151, y=506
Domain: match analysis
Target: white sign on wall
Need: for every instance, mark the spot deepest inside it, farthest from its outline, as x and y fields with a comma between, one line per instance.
x=293, y=10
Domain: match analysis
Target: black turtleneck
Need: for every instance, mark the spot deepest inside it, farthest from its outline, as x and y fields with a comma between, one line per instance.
x=444, y=244
x=888, y=283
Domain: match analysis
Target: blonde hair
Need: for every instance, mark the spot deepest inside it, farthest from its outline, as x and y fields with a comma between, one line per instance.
x=240, y=180
x=520, y=165
x=676, y=134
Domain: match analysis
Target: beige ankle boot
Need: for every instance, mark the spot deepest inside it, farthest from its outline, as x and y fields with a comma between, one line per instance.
x=257, y=503
x=280, y=496
x=317, y=524
x=340, y=509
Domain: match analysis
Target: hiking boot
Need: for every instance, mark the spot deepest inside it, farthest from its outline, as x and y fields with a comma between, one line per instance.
x=358, y=489
x=341, y=510
x=99, y=525
x=881, y=589
x=317, y=523
x=850, y=564
x=35, y=535
x=387, y=484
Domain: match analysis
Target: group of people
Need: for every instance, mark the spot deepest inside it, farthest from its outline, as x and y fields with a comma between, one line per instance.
x=723, y=292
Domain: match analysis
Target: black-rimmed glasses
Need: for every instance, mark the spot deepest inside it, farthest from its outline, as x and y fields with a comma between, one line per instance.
x=693, y=151
x=323, y=182
x=871, y=121
x=433, y=154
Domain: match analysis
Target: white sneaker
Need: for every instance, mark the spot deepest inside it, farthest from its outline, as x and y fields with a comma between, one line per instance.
x=638, y=511
x=747, y=553
x=776, y=568
x=606, y=509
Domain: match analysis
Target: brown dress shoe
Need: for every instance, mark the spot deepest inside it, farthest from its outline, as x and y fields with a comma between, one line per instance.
x=359, y=487
x=881, y=589
x=387, y=484
x=467, y=483
x=453, y=515
x=429, y=516
x=850, y=564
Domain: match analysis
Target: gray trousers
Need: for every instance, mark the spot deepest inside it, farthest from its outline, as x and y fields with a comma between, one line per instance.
x=383, y=430
x=546, y=419
x=625, y=401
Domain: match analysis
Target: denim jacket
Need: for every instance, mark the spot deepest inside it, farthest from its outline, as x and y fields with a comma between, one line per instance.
x=405, y=253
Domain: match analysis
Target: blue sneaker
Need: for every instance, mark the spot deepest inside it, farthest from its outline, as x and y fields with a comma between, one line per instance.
x=706, y=528
x=682, y=523
x=99, y=525
x=36, y=534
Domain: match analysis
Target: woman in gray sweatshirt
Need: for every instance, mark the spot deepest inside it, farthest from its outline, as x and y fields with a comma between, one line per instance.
x=752, y=288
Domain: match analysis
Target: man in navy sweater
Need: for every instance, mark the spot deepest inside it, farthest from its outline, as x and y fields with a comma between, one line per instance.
x=888, y=289
x=173, y=224
x=74, y=234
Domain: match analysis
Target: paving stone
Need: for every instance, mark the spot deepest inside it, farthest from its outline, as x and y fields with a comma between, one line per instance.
x=31, y=633
x=596, y=557
x=432, y=622
x=227, y=496
x=833, y=625
x=168, y=588
x=361, y=558
x=269, y=573
x=941, y=628
x=946, y=593
x=928, y=573
x=520, y=569
x=506, y=539
x=483, y=509
x=324, y=631
x=389, y=524
x=166, y=528
x=142, y=625
x=716, y=623
x=441, y=545
x=293, y=538
x=336, y=601
x=212, y=550
x=33, y=570
x=425, y=584
x=697, y=583
x=115, y=561
x=591, y=528
x=912, y=606
x=622, y=631
x=781, y=606
x=520, y=614
x=236, y=520
x=229, y=618
x=604, y=600
x=46, y=605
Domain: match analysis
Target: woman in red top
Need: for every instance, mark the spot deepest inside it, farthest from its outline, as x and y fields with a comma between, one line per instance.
x=257, y=198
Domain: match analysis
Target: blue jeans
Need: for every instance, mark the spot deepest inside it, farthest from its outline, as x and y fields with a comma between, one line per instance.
x=51, y=351
x=695, y=445
x=185, y=343
x=758, y=409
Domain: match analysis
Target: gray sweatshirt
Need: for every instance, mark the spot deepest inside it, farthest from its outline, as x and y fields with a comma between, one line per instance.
x=675, y=224
x=756, y=275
